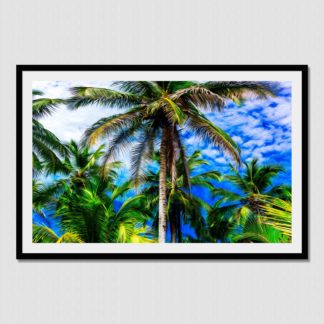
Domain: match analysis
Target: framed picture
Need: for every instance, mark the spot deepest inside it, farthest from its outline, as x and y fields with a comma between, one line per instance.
x=162, y=162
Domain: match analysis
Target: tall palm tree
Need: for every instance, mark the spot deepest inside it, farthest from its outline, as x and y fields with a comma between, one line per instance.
x=253, y=204
x=47, y=148
x=157, y=110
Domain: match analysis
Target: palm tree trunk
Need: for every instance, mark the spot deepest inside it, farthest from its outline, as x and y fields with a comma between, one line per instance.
x=173, y=229
x=173, y=224
x=163, y=186
x=179, y=228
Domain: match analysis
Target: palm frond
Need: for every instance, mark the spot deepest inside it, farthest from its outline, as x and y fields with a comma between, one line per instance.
x=281, y=191
x=147, y=89
x=45, y=106
x=225, y=195
x=52, y=164
x=201, y=97
x=120, y=190
x=42, y=134
x=275, y=212
x=111, y=124
x=240, y=90
x=259, y=233
x=37, y=92
x=173, y=112
x=85, y=96
x=212, y=134
x=122, y=139
x=69, y=238
x=44, y=234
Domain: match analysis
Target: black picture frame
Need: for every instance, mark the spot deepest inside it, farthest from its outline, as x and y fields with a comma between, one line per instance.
x=20, y=69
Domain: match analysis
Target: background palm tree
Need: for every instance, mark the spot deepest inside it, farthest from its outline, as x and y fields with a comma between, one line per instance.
x=255, y=206
x=157, y=110
x=97, y=215
x=90, y=205
x=183, y=206
x=47, y=148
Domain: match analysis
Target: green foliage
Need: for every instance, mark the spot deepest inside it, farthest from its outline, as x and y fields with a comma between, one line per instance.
x=92, y=205
x=260, y=210
x=183, y=207
x=44, y=234
x=85, y=203
x=48, y=151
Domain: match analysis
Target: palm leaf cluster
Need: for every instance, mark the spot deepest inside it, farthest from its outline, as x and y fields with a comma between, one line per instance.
x=256, y=206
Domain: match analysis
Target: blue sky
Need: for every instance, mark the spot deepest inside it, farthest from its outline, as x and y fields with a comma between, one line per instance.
x=261, y=128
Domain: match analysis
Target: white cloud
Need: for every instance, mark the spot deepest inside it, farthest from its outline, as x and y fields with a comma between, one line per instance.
x=67, y=124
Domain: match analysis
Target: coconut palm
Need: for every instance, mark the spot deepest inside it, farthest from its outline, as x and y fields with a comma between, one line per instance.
x=47, y=148
x=98, y=214
x=89, y=203
x=157, y=110
x=253, y=205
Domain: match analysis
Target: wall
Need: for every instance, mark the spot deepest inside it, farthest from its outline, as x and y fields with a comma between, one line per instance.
x=151, y=32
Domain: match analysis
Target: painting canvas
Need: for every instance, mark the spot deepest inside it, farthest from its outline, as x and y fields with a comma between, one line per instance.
x=162, y=162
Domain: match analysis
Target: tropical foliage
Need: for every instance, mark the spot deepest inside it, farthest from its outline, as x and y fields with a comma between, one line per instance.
x=47, y=148
x=80, y=186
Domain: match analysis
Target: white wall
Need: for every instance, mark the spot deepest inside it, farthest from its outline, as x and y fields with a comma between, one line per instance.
x=151, y=32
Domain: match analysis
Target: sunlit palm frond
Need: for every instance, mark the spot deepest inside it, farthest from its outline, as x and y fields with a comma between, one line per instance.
x=69, y=238
x=110, y=125
x=173, y=112
x=44, y=234
x=275, y=212
x=85, y=96
x=259, y=233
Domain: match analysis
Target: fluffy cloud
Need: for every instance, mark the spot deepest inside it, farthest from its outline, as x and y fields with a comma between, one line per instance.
x=67, y=124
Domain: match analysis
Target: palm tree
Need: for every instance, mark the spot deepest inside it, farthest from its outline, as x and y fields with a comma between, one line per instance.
x=255, y=205
x=47, y=148
x=183, y=206
x=157, y=110
x=97, y=214
x=90, y=205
